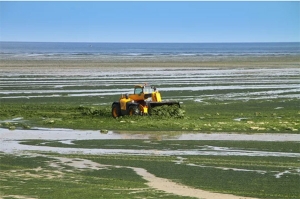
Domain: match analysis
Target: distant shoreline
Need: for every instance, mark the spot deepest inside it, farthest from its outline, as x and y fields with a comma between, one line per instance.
x=91, y=42
x=156, y=59
x=148, y=52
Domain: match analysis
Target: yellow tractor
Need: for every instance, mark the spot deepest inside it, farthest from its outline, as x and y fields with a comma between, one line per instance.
x=140, y=102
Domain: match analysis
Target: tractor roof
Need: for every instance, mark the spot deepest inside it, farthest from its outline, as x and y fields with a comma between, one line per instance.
x=141, y=85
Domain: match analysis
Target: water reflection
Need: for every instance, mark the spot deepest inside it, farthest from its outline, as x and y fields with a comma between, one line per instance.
x=71, y=134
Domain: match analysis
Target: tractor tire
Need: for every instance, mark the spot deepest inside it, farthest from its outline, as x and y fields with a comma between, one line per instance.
x=133, y=110
x=116, y=111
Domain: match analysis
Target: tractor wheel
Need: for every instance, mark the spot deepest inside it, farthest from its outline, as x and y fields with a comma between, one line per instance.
x=115, y=111
x=133, y=110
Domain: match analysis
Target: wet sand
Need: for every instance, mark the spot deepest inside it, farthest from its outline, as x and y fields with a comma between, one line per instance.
x=242, y=78
x=150, y=63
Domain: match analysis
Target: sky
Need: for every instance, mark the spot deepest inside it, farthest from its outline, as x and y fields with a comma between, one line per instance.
x=150, y=21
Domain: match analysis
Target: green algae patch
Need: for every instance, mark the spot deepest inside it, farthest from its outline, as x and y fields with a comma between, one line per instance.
x=45, y=176
x=253, y=116
x=112, y=176
x=154, y=144
x=95, y=111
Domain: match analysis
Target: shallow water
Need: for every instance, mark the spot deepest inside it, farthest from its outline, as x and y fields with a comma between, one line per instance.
x=71, y=134
x=9, y=142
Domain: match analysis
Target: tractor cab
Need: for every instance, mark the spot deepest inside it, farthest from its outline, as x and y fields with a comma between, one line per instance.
x=146, y=89
x=145, y=93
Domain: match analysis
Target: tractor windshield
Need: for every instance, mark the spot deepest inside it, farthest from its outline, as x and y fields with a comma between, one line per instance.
x=138, y=90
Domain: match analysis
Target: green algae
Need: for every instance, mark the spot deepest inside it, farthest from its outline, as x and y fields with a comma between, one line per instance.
x=253, y=116
x=260, y=177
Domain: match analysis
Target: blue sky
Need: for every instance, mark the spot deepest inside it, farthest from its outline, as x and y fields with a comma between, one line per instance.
x=201, y=21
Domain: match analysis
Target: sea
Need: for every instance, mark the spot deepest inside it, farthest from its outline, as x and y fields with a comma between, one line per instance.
x=89, y=50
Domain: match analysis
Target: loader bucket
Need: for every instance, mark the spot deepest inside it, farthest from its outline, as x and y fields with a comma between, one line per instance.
x=166, y=110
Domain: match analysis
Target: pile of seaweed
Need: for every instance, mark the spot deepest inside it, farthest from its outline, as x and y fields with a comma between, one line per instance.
x=167, y=112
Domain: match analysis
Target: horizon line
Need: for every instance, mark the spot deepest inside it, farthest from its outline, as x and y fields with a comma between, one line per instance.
x=151, y=42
